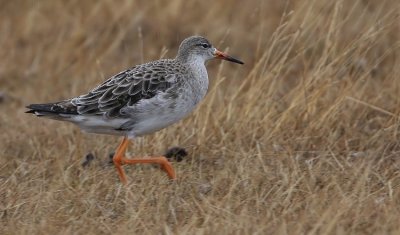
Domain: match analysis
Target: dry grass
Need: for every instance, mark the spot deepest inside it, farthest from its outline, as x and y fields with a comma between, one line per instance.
x=303, y=139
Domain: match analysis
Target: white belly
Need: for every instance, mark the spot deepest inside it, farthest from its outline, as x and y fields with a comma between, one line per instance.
x=156, y=117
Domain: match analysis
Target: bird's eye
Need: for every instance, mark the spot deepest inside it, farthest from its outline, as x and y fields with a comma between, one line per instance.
x=205, y=45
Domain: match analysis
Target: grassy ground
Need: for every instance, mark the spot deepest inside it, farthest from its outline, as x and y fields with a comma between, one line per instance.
x=302, y=139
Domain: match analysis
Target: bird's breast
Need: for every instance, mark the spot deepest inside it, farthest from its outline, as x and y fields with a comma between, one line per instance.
x=198, y=84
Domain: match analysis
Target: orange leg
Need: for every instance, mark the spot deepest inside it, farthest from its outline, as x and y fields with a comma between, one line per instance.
x=120, y=160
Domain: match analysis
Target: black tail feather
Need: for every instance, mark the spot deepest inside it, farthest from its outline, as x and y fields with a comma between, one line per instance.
x=40, y=108
x=63, y=107
x=30, y=111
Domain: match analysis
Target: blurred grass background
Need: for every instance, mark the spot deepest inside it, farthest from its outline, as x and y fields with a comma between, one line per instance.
x=304, y=138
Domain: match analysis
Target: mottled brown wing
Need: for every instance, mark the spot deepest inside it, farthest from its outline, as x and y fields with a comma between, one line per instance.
x=125, y=89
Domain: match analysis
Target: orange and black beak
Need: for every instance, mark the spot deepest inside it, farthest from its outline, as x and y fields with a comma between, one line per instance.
x=224, y=56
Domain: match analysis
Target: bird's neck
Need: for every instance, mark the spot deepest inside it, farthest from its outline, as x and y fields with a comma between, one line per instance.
x=190, y=59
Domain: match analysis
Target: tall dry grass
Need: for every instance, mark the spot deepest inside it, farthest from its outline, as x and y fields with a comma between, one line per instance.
x=303, y=139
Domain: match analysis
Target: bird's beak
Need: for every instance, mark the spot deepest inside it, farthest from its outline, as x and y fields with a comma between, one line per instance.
x=224, y=56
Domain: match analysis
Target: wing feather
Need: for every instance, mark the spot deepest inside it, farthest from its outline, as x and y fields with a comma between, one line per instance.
x=127, y=88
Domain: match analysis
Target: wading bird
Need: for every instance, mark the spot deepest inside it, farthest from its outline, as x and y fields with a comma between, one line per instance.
x=141, y=100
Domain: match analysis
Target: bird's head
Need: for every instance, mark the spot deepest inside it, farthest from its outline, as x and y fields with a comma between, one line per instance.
x=199, y=48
